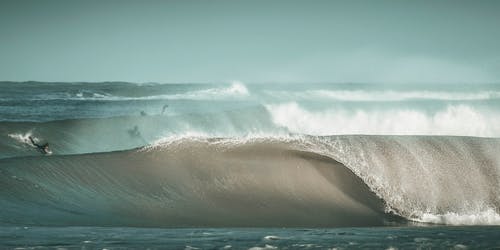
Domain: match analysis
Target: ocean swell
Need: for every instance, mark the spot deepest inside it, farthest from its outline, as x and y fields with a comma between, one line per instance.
x=188, y=183
x=261, y=181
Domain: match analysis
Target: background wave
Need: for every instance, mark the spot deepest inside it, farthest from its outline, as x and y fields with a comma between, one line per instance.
x=462, y=120
x=87, y=135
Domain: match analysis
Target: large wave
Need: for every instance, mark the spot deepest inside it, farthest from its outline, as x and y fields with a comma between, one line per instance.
x=288, y=181
x=461, y=120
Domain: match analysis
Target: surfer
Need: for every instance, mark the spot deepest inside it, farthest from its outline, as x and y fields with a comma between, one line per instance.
x=44, y=149
x=164, y=107
x=134, y=132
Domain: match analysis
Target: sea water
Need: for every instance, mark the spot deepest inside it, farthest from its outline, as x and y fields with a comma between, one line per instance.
x=432, y=237
x=130, y=161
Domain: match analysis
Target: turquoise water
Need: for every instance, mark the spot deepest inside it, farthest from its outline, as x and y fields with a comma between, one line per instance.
x=251, y=238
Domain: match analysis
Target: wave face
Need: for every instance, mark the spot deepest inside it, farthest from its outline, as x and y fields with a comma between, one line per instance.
x=188, y=183
x=293, y=181
x=434, y=179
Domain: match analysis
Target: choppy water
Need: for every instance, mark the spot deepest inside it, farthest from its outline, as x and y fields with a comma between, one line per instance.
x=237, y=109
x=253, y=238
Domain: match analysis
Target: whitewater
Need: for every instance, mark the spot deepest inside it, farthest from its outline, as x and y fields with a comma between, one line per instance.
x=249, y=155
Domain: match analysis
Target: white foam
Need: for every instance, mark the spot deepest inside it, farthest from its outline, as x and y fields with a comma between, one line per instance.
x=271, y=237
x=266, y=247
x=166, y=141
x=235, y=90
x=22, y=138
x=198, y=136
x=460, y=120
x=486, y=217
x=440, y=180
x=238, y=87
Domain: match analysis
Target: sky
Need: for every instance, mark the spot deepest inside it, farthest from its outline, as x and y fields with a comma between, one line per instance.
x=370, y=41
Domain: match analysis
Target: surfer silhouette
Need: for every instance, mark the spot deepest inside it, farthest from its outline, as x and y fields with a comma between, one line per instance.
x=163, y=109
x=44, y=149
x=134, y=132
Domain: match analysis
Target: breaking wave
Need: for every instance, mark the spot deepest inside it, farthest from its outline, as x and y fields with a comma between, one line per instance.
x=386, y=95
x=295, y=180
x=453, y=120
x=235, y=90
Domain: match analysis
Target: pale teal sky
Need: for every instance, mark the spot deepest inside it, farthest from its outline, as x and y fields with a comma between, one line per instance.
x=250, y=41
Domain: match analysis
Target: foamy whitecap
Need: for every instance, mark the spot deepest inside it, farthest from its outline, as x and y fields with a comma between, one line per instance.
x=238, y=87
x=271, y=237
x=454, y=120
x=22, y=137
x=265, y=247
x=486, y=217
x=235, y=90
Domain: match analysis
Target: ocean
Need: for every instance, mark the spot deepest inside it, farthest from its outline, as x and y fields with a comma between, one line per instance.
x=249, y=166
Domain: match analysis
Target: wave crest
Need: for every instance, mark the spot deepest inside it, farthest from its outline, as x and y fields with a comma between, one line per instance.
x=454, y=120
x=386, y=95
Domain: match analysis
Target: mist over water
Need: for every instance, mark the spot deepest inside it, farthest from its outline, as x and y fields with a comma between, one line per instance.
x=237, y=109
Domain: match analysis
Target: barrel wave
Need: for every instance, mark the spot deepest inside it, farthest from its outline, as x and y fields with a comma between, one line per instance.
x=296, y=180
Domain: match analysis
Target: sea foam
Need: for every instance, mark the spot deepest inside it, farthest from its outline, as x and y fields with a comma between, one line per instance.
x=453, y=120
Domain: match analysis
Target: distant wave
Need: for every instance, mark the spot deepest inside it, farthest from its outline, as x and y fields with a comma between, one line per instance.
x=386, y=95
x=454, y=120
x=86, y=135
x=261, y=181
x=89, y=135
x=235, y=90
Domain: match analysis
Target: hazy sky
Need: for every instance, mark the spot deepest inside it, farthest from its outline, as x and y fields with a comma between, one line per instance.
x=250, y=41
